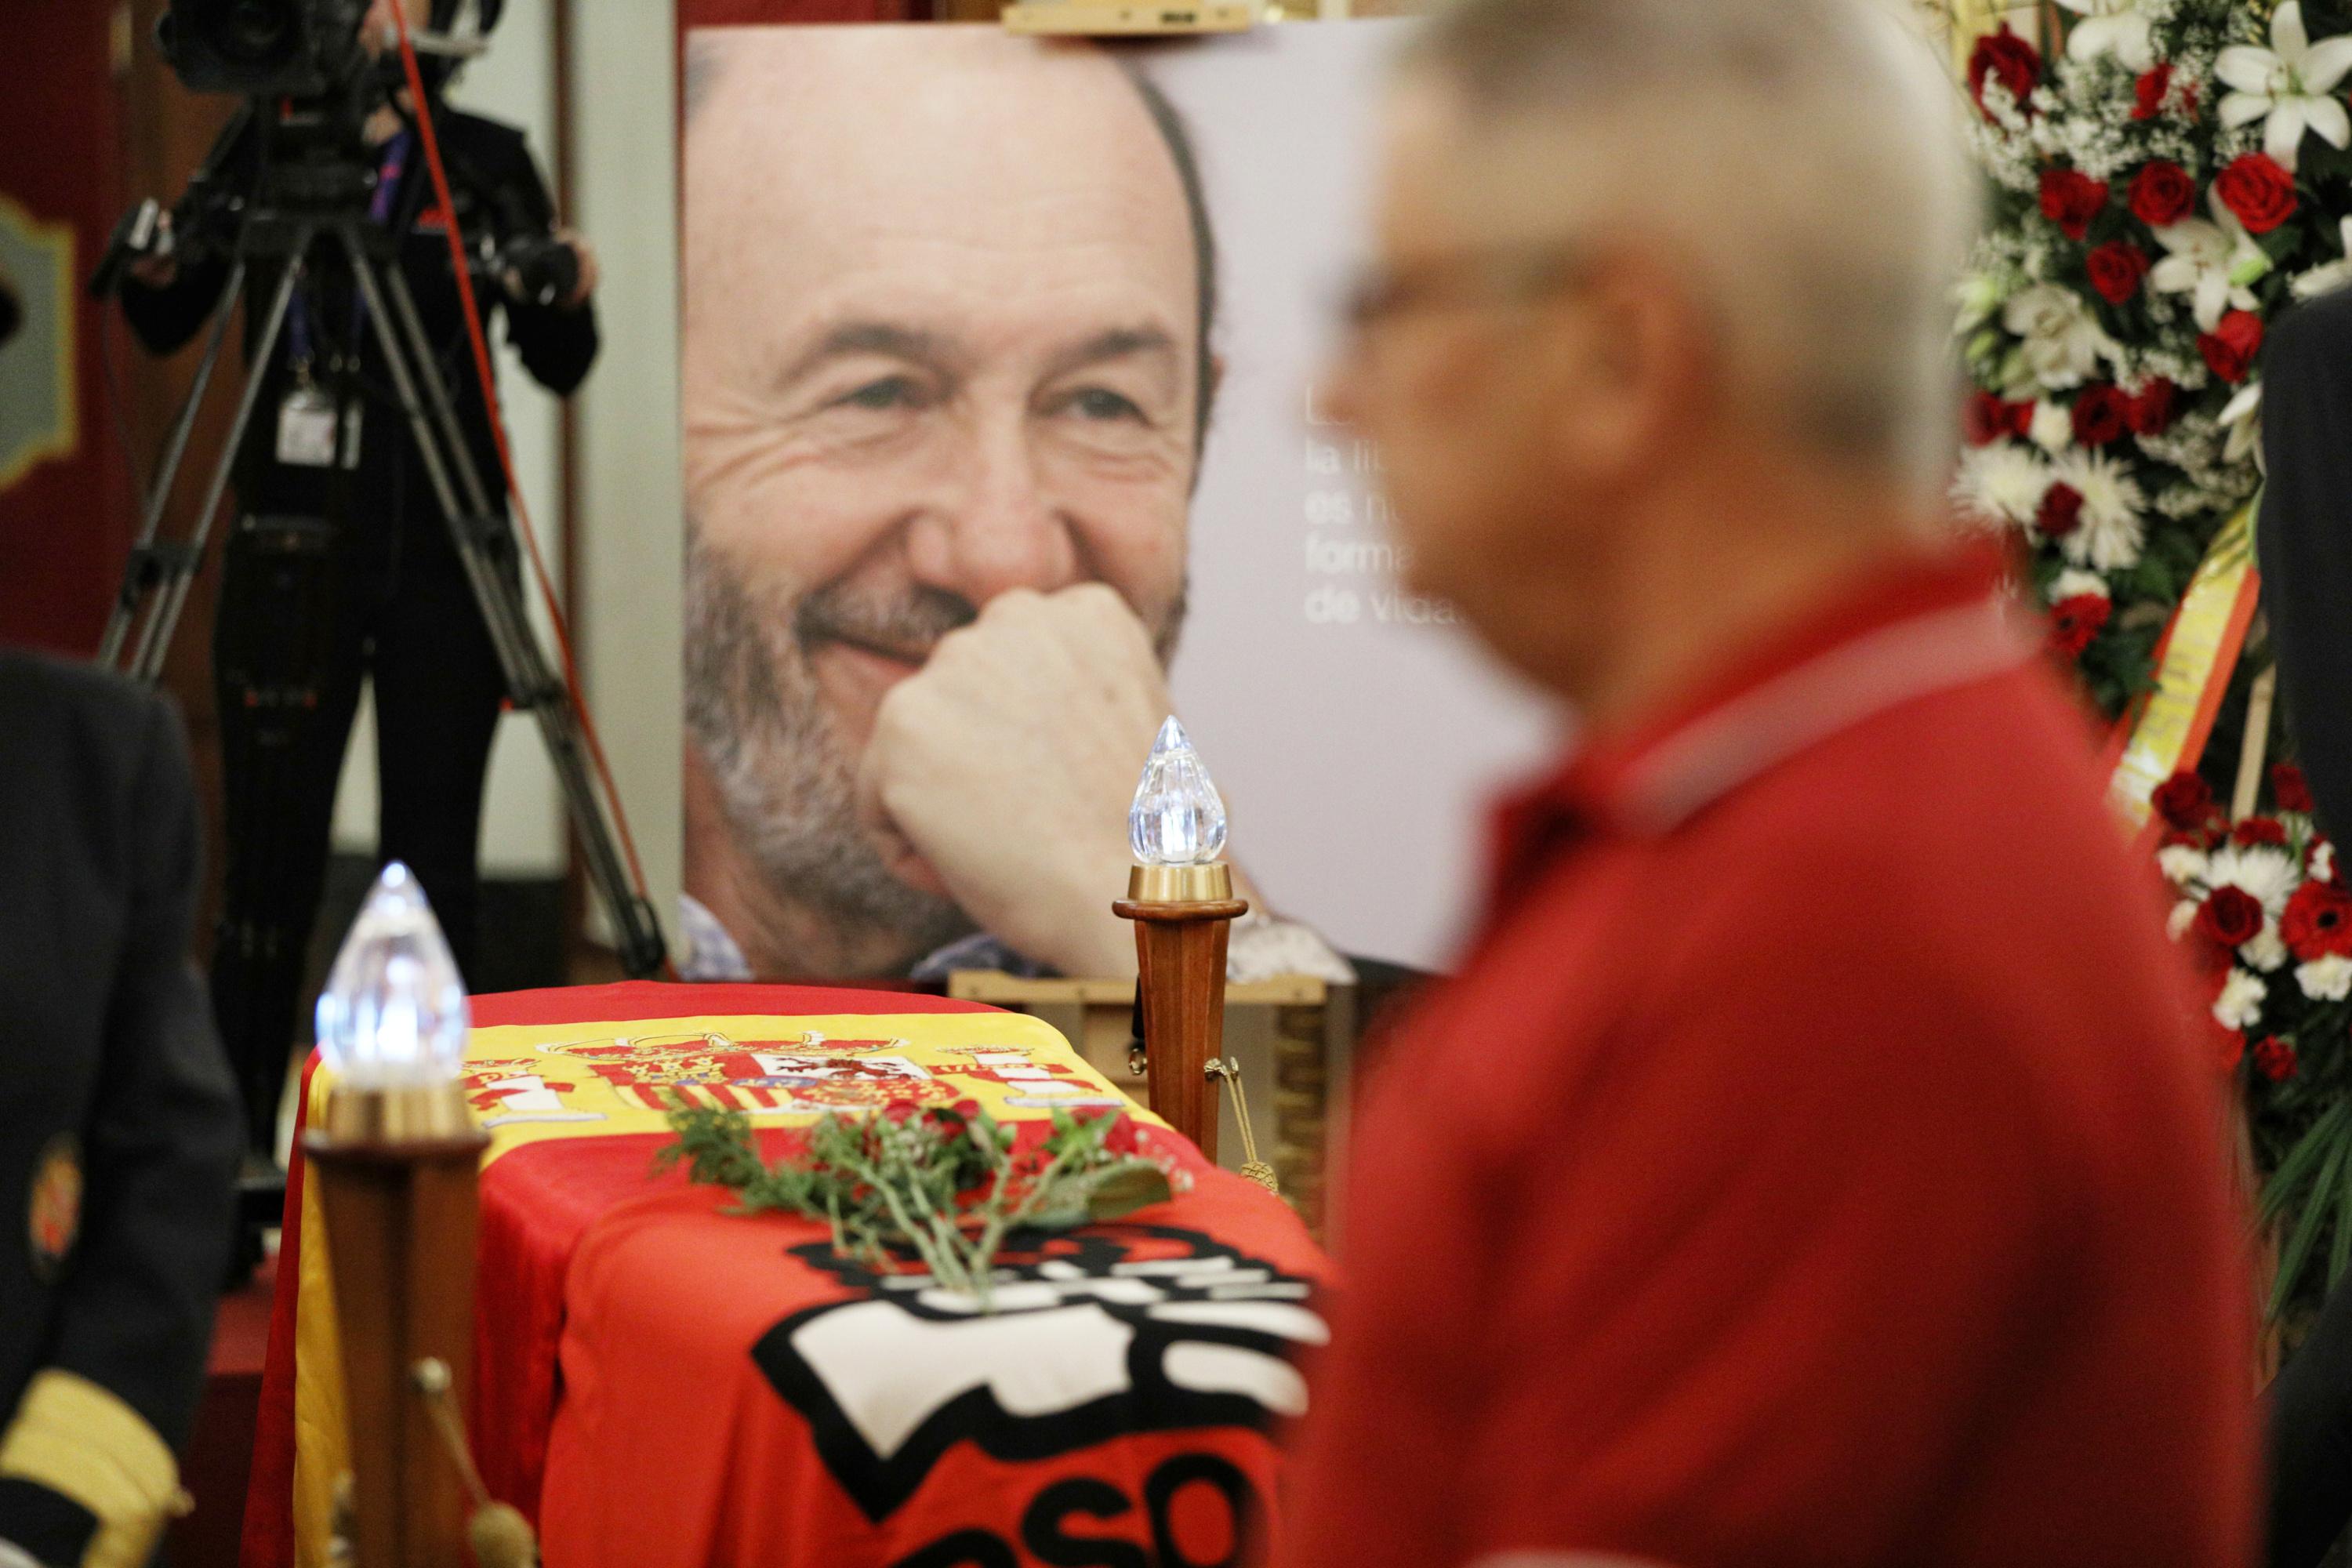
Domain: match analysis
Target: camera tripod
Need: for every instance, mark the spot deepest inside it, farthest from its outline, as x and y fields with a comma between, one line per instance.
x=323, y=218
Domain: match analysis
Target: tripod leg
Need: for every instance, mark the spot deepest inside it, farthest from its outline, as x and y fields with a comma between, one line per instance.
x=135, y=579
x=437, y=396
x=155, y=639
x=529, y=683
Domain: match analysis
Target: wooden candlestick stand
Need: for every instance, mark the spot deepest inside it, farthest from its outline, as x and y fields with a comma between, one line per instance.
x=1183, y=916
x=400, y=1192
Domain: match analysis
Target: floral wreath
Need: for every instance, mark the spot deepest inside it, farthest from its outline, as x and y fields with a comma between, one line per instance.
x=2166, y=177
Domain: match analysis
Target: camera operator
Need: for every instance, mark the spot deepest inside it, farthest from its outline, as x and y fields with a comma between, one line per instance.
x=341, y=563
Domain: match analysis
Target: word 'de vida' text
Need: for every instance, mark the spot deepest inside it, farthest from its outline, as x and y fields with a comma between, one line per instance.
x=1351, y=568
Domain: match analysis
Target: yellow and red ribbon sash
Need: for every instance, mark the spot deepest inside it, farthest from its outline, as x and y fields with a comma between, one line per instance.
x=2165, y=731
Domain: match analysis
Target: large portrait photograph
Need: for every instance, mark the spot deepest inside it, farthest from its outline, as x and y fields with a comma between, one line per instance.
x=1001, y=445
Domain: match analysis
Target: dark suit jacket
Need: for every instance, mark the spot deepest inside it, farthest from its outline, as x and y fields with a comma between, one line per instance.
x=105, y=1046
x=2304, y=542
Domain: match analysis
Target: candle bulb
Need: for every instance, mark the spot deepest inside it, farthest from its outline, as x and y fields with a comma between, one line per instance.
x=394, y=1013
x=1178, y=819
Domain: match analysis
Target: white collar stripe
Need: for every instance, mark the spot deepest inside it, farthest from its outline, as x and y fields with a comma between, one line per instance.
x=1816, y=701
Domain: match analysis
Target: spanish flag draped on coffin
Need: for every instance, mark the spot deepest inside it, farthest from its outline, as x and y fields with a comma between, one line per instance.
x=660, y=1382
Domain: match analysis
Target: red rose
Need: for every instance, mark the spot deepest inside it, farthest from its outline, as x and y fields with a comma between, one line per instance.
x=2074, y=622
x=2229, y=348
x=2060, y=511
x=2161, y=193
x=2116, y=268
x=2230, y=916
x=902, y=1110
x=2274, y=1058
x=2255, y=188
x=1122, y=1139
x=2260, y=830
x=2317, y=921
x=2072, y=200
x=2291, y=789
x=2154, y=86
x=2151, y=410
x=1985, y=418
x=2005, y=57
x=2101, y=415
x=2185, y=800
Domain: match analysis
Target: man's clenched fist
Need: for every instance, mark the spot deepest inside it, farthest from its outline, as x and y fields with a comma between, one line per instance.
x=1000, y=773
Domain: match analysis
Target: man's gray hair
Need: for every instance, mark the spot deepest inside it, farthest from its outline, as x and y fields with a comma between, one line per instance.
x=1803, y=157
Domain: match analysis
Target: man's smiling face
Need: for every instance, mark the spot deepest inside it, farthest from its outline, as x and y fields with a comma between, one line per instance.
x=940, y=341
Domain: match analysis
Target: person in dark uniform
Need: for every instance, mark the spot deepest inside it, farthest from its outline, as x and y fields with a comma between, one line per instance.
x=2303, y=542
x=340, y=563
x=119, y=1129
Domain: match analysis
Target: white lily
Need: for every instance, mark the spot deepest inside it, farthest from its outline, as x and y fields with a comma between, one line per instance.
x=2328, y=275
x=2290, y=83
x=2063, y=341
x=2110, y=26
x=2241, y=417
x=2212, y=260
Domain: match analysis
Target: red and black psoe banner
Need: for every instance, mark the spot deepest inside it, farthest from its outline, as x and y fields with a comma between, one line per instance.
x=661, y=1382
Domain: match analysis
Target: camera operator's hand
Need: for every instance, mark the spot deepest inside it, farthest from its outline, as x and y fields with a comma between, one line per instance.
x=159, y=269
x=588, y=273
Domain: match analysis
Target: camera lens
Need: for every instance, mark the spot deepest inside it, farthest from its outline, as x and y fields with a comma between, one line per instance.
x=253, y=30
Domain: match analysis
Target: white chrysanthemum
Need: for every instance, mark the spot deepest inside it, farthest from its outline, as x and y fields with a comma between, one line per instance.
x=2266, y=951
x=2004, y=483
x=2183, y=916
x=2260, y=870
x=2181, y=864
x=2052, y=429
x=2063, y=341
x=2322, y=862
x=2109, y=534
x=2325, y=979
x=2240, y=1006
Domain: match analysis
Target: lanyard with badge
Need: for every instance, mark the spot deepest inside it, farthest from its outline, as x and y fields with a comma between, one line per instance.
x=310, y=418
x=316, y=428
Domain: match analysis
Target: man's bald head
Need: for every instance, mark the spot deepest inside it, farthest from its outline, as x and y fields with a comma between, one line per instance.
x=709, y=51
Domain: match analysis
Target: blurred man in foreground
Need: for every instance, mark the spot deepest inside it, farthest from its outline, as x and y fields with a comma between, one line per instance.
x=1816, y=1161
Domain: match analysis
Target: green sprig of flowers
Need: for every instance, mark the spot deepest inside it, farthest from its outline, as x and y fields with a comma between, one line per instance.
x=946, y=1182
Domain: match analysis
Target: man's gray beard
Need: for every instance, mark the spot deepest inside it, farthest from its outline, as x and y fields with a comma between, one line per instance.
x=786, y=784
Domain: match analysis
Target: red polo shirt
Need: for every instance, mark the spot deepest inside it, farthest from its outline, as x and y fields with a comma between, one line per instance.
x=1816, y=1161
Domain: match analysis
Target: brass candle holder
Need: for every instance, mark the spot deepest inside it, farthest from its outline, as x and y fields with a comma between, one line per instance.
x=1180, y=898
